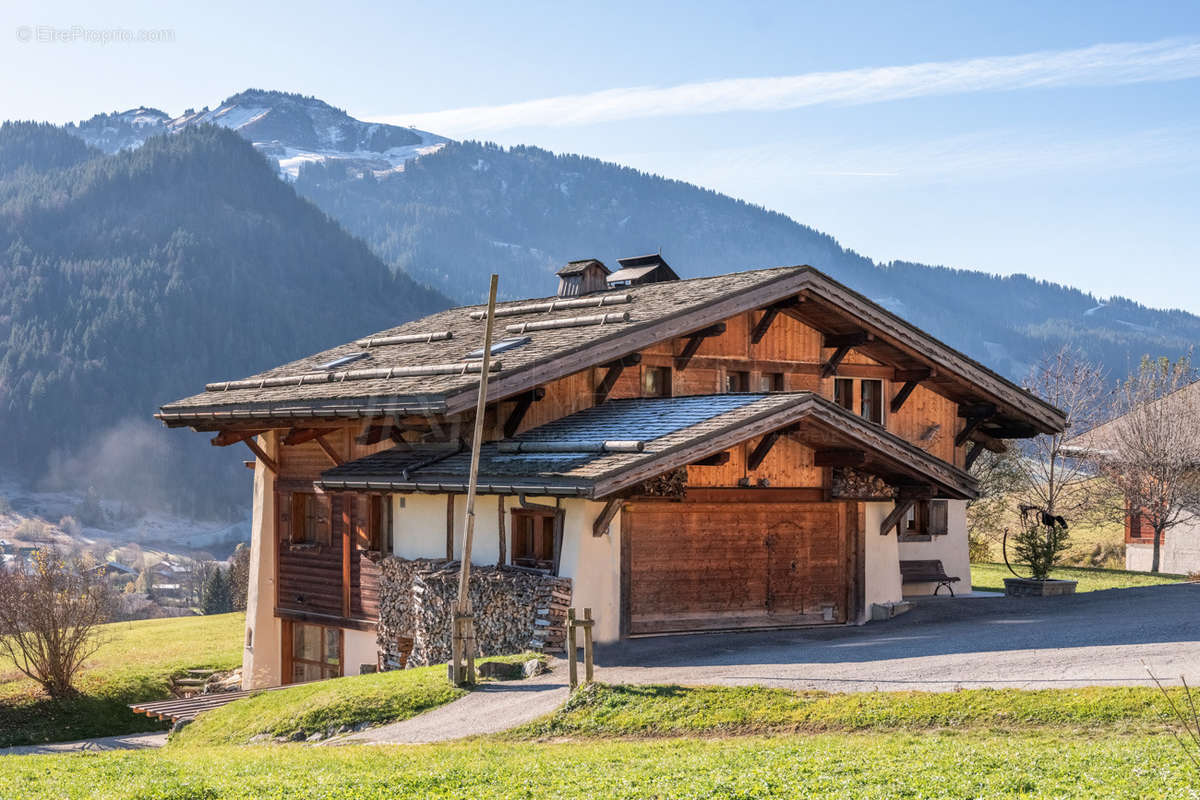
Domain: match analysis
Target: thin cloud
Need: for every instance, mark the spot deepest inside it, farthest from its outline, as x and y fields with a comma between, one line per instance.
x=1099, y=65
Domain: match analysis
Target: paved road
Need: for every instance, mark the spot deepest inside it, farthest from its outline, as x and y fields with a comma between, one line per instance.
x=1098, y=638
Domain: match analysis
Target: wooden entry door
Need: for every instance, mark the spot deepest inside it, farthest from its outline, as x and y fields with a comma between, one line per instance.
x=711, y=566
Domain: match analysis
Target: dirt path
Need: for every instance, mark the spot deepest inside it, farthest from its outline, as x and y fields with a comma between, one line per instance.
x=130, y=741
x=491, y=708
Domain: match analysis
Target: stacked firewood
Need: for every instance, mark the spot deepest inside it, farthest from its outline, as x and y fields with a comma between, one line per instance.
x=514, y=610
x=670, y=484
x=853, y=484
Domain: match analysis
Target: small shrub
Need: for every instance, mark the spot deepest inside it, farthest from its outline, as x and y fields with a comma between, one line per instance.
x=70, y=526
x=979, y=548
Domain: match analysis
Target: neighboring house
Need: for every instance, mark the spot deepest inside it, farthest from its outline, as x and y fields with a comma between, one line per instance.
x=751, y=450
x=1180, y=546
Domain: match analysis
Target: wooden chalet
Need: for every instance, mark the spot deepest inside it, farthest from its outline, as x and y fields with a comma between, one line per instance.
x=758, y=449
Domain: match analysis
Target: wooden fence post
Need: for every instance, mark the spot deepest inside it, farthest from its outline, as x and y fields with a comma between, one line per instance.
x=587, y=645
x=572, y=667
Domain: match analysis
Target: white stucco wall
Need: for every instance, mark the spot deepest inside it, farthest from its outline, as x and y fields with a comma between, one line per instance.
x=1180, y=551
x=951, y=549
x=419, y=525
x=360, y=648
x=881, y=560
x=592, y=563
x=262, y=655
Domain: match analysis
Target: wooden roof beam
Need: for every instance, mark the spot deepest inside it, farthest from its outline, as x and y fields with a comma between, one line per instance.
x=759, y=454
x=615, y=368
x=298, y=436
x=517, y=415
x=715, y=460
x=606, y=516
x=228, y=437
x=843, y=342
x=902, y=507
x=769, y=314
x=839, y=458
x=972, y=454
x=912, y=378
x=693, y=344
x=975, y=414
x=373, y=434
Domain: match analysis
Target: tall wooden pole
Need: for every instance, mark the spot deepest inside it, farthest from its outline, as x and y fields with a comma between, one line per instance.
x=464, y=624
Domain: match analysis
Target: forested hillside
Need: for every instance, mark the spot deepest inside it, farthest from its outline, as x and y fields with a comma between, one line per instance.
x=454, y=216
x=129, y=280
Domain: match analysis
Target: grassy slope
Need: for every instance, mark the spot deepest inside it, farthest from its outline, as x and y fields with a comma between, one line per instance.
x=990, y=577
x=328, y=705
x=644, y=711
x=1073, y=743
x=134, y=664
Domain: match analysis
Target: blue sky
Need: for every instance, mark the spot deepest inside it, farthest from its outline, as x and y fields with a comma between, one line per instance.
x=1056, y=139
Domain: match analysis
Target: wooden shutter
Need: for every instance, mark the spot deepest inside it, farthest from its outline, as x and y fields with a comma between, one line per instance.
x=938, y=517
x=323, y=518
x=283, y=517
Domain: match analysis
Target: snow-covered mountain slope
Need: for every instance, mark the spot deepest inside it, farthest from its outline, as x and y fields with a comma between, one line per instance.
x=289, y=128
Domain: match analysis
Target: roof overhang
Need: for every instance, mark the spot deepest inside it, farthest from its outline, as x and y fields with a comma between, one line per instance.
x=804, y=416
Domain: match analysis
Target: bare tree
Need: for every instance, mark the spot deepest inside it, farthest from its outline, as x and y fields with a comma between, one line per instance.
x=1051, y=477
x=49, y=615
x=1151, y=448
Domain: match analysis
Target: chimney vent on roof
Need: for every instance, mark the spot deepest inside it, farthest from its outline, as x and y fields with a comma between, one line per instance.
x=582, y=277
x=637, y=270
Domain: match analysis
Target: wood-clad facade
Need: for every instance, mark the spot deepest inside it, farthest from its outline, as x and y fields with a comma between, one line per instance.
x=778, y=505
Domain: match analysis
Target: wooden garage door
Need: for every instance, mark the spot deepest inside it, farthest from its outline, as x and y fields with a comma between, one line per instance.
x=707, y=566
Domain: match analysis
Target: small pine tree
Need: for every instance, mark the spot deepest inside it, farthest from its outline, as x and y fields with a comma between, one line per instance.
x=217, y=598
x=1041, y=542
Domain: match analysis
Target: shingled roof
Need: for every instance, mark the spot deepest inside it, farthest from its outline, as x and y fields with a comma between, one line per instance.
x=601, y=450
x=423, y=366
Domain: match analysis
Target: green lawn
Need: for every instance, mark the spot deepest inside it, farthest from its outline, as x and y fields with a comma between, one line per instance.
x=134, y=664
x=655, y=711
x=325, y=706
x=944, y=764
x=1078, y=743
x=990, y=578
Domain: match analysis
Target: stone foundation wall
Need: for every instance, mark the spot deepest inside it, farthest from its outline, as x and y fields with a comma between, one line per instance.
x=515, y=610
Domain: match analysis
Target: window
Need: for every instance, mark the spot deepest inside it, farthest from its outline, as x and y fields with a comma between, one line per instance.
x=533, y=534
x=379, y=523
x=499, y=347
x=872, y=401
x=770, y=382
x=737, y=381
x=656, y=382
x=924, y=520
x=341, y=362
x=843, y=393
x=310, y=519
x=316, y=652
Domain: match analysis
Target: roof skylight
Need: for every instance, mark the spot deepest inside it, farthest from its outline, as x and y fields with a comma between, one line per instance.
x=341, y=362
x=499, y=347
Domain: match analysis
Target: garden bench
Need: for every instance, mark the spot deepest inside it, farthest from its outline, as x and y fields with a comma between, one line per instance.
x=927, y=571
